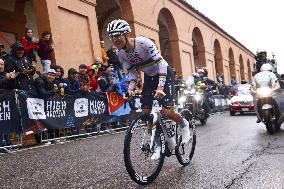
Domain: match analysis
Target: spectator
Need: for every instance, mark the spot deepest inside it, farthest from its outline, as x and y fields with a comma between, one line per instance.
x=83, y=76
x=59, y=81
x=45, y=85
x=45, y=49
x=105, y=58
x=59, y=75
x=100, y=65
x=72, y=84
x=30, y=45
x=17, y=62
x=6, y=79
x=91, y=72
x=111, y=82
x=3, y=54
x=233, y=81
x=122, y=87
x=114, y=61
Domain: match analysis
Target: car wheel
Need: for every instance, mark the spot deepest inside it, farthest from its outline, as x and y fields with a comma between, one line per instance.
x=232, y=113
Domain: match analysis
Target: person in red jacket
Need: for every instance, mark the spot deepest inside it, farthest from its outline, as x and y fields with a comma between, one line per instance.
x=30, y=45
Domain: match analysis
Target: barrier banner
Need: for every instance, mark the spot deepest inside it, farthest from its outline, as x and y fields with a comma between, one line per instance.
x=59, y=111
x=9, y=113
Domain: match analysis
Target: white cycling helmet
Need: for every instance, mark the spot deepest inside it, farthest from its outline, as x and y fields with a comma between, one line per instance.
x=118, y=27
x=266, y=67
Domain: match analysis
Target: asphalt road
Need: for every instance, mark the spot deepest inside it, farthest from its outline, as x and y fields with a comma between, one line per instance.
x=231, y=152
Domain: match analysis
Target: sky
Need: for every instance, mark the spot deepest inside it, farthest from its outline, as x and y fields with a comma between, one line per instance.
x=256, y=24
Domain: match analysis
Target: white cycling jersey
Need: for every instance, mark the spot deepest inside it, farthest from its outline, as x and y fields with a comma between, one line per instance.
x=146, y=58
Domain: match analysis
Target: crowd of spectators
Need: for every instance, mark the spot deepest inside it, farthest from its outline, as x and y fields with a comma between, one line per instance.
x=17, y=70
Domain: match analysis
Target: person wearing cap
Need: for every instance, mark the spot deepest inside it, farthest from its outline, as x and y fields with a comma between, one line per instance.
x=45, y=85
x=2, y=52
x=105, y=58
x=72, y=83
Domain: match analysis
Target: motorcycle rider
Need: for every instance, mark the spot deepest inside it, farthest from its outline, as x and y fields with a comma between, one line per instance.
x=261, y=59
x=264, y=77
x=204, y=85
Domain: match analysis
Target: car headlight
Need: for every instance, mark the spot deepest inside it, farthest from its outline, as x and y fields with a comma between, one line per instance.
x=264, y=91
x=197, y=97
x=182, y=99
x=191, y=91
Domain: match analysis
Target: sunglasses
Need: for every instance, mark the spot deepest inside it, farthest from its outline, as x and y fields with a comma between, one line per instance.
x=115, y=37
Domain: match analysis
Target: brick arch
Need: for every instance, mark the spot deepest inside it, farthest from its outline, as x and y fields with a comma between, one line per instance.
x=198, y=48
x=218, y=58
x=168, y=37
x=232, y=63
x=242, y=67
x=115, y=9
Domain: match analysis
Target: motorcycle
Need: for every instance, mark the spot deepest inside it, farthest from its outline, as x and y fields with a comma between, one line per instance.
x=267, y=109
x=192, y=100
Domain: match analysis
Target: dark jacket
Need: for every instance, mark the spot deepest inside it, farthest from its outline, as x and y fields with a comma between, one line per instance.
x=23, y=81
x=43, y=87
x=113, y=59
x=3, y=80
x=72, y=87
x=44, y=50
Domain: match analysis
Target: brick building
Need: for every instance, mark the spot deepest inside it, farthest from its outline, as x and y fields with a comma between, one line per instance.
x=187, y=39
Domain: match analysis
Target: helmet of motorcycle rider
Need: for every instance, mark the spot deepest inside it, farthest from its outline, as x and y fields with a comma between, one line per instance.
x=266, y=67
x=261, y=51
x=118, y=27
x=243, y=81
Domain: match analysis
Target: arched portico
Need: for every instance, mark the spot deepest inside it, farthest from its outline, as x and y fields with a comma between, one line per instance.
x=218, y=58
x=198, y=48
x=168, y=38
x=232, y=64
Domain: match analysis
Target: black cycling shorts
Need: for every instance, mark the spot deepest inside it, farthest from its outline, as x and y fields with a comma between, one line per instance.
x=151, y=84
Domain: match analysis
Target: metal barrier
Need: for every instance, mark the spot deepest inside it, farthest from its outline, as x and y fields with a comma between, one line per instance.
x=220, y=103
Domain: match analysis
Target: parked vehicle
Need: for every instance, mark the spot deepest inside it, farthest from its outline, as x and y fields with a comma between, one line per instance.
x=241, y=104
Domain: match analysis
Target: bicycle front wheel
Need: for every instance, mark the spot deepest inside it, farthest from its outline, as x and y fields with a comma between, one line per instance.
x=137, y=152
x=184, y=152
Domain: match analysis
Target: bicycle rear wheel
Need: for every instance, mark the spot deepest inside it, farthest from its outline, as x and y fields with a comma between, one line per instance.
x=184, y=152
x=137, y=153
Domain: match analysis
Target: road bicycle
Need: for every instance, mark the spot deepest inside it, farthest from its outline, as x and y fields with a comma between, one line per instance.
x=143, y=137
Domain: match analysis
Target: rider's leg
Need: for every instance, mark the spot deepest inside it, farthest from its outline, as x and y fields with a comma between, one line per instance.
x=173, y=115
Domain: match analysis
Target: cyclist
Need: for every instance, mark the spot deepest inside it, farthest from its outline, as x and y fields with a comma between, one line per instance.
x=141, y=54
